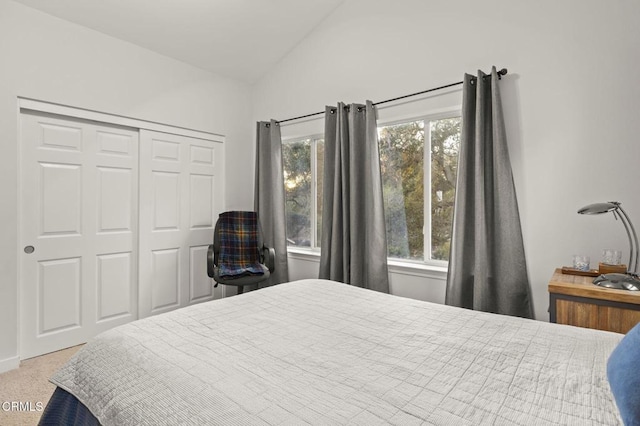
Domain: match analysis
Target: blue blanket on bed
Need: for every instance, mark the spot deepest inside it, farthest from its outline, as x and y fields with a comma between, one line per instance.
x=64, y=409
x=239, y=252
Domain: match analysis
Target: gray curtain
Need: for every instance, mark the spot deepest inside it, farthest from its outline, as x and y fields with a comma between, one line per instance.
x=487, y=267
x=354, y=239
x=269, y=196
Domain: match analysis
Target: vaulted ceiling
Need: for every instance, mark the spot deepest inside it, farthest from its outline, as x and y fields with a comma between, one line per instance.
x=241, y=39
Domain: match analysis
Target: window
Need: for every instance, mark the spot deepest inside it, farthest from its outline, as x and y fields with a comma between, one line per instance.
x=302, y=159
x=418, y=187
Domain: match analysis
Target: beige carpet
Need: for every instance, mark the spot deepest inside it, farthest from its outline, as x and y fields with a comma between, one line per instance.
x=28, y=388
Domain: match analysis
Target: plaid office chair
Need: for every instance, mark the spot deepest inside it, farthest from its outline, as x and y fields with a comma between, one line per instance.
x=238, y=255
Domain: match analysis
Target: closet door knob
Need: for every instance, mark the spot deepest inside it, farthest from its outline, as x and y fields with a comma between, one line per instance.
x=29, y=249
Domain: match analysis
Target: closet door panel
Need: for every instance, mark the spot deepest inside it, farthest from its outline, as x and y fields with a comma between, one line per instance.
x=116, y=238
x=201, y=209
x=166, y=200
x=180, y=177
x=114, y=286
x=115, y=199
x=200, y=286
x=61, y=199
x=59, y=290
x=165, y=280
x=78, y=210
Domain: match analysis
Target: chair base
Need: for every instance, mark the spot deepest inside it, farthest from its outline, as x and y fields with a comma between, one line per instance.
x=240, y=287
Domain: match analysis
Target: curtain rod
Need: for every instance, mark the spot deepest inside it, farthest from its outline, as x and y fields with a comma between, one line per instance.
x=502, y=72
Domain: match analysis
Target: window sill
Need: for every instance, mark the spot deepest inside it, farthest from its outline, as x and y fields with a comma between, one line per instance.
x=395, y=266
x=303, y=253
x=417, y=269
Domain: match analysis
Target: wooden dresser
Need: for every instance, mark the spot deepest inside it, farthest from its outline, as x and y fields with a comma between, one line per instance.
x=575, y=300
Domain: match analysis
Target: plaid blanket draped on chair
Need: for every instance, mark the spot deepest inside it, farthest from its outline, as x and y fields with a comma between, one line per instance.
x=239, y=251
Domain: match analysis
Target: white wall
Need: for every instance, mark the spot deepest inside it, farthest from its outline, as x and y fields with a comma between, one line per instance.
x=571, y=102
x=52, y=60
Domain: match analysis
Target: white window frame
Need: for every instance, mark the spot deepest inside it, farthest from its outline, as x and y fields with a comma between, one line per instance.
x=314, y=192
x=400, y=264
x=426, y=226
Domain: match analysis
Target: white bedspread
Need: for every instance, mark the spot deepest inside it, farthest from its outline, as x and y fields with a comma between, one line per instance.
x=323, y=353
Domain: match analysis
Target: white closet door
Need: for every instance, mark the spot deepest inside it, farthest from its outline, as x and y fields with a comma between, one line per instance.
x=181, y=197
x=79, y=192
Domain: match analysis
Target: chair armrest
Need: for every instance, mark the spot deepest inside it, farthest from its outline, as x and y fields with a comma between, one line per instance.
x=210, y=261
x=269, y=256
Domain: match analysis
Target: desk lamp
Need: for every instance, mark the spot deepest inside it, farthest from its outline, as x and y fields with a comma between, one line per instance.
x=628, y=281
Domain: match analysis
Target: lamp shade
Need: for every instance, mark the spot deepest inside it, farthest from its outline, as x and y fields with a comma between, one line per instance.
x=619, y=213
x=599, y=208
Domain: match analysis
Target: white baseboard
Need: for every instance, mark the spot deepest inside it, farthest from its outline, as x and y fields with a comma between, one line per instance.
x=9, y=364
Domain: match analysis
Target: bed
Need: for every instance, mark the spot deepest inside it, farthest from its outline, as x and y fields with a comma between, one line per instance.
x=323, y=353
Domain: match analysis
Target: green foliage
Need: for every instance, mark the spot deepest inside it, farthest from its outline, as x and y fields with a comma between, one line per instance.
x=445, y=144
x=401, y=159
x=296, y=157
x=402, y=165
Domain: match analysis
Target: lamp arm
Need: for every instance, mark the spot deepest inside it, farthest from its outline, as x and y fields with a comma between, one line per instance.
x=633, y=265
